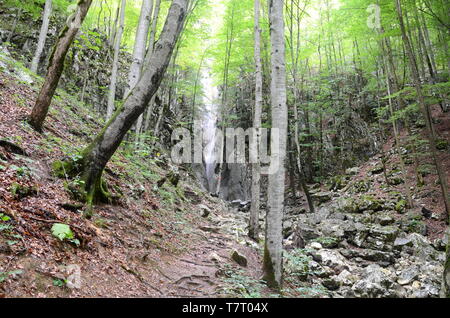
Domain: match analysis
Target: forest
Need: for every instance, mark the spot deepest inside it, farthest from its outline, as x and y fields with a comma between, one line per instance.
x=224, y=149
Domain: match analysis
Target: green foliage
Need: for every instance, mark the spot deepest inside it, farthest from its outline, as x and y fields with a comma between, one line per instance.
x=297, y=265
x=236, y=283
x=5, y=275
x=64, y=233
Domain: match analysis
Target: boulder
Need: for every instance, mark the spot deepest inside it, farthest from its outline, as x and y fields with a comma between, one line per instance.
x=376, y=282
x=206, y=211
x=408, y=275
x=239, y=258
x=322, y=197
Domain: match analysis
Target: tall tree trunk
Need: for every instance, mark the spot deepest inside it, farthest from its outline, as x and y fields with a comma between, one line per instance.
x=42, y=35
x=151, y=43
x=98, y=153
x=256, y=168
x=56, y=64
x=140, y=44
x=139, y=53
x=115, y=64
x=273, y=257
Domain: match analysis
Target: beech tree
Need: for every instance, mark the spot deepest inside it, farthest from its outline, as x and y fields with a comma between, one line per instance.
x=99, y=152
x=56, y=64
x=256, y=168
x=42, y=35
x=273, y=250
x=115, y=63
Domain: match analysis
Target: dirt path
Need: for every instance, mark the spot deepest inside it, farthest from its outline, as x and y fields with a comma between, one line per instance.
x=198, y=272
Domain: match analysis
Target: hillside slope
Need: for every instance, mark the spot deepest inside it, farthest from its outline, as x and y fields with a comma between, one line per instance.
x=154, y=241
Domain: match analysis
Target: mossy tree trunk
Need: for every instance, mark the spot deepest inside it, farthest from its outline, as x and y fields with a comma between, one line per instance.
x=99, y=152
x=56, y=64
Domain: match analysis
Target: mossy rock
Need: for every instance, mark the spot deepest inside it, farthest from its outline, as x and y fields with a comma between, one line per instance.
x=337, y=182
x=361, y=186
x=416, y=226
x=400, y=206
x=396, y=180
x=369, y=202
x=327, y=242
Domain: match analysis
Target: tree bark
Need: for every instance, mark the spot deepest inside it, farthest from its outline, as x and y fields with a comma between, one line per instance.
x=115, y=64
x=42, y=36
x=56, y=65
x=100, y=151
x=273, y=262
x=140, y=45
x=256, y=169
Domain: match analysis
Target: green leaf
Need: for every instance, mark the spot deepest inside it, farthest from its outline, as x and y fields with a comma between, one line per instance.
x=62, y=231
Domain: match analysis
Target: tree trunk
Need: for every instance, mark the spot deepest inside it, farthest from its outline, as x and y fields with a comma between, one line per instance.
x=139, y=54
x=273, y=259
x=140, y=44
x=56, y=64
x=256, y=169
x=42, y=36
x=115, y=64
x=100, y=151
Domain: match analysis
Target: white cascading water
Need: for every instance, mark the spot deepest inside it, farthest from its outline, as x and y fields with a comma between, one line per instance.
x=209, y=119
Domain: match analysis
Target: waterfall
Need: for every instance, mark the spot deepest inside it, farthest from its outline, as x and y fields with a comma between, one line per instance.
x=209, y=120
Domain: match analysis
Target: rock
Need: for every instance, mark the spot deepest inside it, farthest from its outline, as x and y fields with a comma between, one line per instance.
x=382, y=258
x=422, y=248
x=408, y=275
x=381, y=237
x=316, y=245
x=426, y=213
x=396, y=180
x=305, y=233
x=215, y=257
x=331, y=283
x=345, y=278
x=322, y=197
x=333, y=228
x=239, y=258
x=288, y=227
x=368, y=202
x=375, y=283
x=331, y=259
x=210, y=229
x=401, y=241
x=376, y=170
x=384, y=218
x=439, y=245
x=352, y=171
x=206, y=211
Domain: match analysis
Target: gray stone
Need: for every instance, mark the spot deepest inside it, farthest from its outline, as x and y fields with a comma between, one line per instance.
x=322, y=197
x=239, y=258
x=375, y=283
x=205, y=210
x=408, y=275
